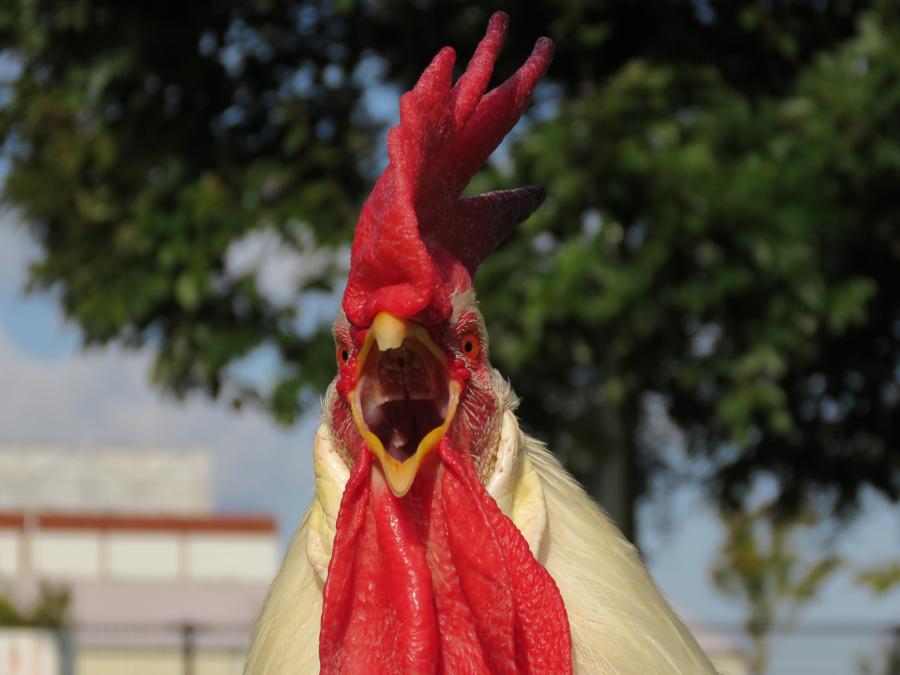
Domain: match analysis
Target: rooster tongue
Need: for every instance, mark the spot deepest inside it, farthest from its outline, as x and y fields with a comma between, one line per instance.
x=439, y=581
x=403, y=423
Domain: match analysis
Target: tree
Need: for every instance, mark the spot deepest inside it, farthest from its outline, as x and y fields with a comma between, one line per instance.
x=721, y=229
x=736, y=254
x=50, y=610
x=760, y=563
x=888, y=663
x=880, y=579
x=146, y=139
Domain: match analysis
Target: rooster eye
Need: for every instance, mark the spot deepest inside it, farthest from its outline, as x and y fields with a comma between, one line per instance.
x=343, y=354
x=470, y=345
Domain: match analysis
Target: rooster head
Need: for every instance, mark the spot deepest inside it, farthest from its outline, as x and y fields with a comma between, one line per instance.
x=424, y=564
x=411, y=344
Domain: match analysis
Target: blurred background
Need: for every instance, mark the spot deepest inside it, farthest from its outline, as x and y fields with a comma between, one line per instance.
x=703, y=320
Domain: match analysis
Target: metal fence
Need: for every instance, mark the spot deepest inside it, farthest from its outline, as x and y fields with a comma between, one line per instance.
x=828, y=648
x=819, y=649
x=158, y=650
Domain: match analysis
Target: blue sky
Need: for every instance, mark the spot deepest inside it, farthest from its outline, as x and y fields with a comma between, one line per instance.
x=56, y=392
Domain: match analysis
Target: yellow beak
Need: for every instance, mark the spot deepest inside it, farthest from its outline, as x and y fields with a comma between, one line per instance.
x=387, y=332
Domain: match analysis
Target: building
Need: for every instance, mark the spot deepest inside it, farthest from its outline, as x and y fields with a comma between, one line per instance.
x=106, y=479
x=157, y=578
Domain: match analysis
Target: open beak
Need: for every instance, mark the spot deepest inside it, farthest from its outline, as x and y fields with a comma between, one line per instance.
x=404, y=399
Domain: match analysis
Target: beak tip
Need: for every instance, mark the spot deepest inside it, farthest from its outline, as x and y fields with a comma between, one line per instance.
x=388, y=331
x=399, y=477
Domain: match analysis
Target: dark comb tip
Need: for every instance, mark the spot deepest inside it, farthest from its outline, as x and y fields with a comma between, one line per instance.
x=483, y=222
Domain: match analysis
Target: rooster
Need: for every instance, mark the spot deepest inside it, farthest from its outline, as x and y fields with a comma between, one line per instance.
x=441, y=539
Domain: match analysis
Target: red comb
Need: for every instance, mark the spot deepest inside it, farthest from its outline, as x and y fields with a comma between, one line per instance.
x=416, y=235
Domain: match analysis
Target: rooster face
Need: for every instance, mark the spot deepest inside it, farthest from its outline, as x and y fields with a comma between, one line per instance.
x=424, y=563
x=403, y=386
x=411, y=346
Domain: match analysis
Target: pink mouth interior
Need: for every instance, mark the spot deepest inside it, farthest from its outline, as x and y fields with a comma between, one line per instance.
x=403, y=396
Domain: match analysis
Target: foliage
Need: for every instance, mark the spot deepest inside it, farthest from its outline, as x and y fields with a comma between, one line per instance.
x=49, y=611
x=147, y=138
x=760, y=563
x=736, y=254
x=721, y=227
x=889, y=662
x=880, y=579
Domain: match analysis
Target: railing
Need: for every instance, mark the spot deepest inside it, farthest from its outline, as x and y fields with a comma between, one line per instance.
x=816, y=648
x=159, y=650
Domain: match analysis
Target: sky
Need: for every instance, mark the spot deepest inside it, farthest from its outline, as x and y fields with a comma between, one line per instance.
x=55, y=391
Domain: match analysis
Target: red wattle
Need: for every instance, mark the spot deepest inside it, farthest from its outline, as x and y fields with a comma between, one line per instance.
x=378, y=615
x=489, y=549
x=437, y=582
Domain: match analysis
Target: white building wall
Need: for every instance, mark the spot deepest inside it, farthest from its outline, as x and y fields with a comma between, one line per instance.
x=143, y=556
x=127, y=479
x=61, y=554
x=10, y=551
x=249, y=557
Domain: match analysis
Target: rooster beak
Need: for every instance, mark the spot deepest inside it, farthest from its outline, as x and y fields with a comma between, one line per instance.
x=384, y=411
